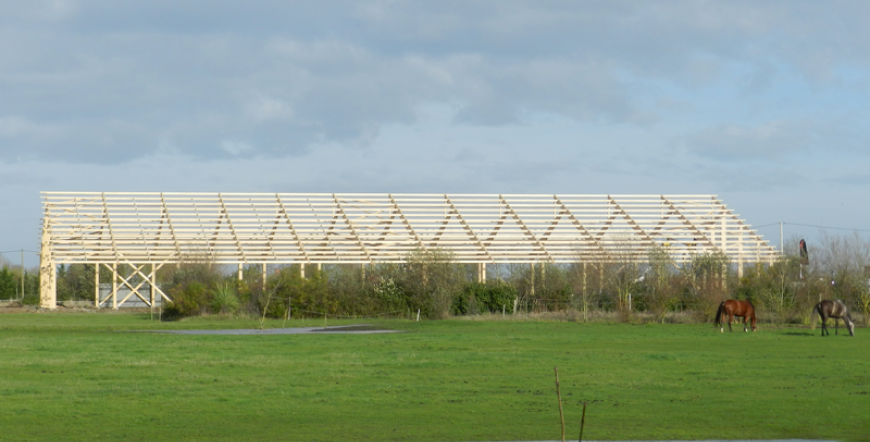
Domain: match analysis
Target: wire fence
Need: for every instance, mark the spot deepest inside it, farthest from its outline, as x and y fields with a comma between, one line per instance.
x=338, y=316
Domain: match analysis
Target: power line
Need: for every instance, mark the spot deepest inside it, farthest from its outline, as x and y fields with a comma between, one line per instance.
x=827, y=227
x=766, y=225
x=813, y=225
x=19, y=251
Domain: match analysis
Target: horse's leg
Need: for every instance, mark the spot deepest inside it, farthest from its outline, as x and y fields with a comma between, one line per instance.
x=836, y=326
x=730, y=318
x=824, y=326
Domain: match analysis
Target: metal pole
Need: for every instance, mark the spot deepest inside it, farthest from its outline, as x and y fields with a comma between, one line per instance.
x=781, y=247
x=22, y=274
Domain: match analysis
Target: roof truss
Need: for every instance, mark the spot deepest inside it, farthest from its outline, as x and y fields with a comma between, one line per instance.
x=87, y=227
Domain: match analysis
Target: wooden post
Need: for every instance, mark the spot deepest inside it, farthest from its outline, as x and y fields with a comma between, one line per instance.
x=114, y=286
x=97, y=285
x=302, y=270
x=264, y=276
x=532, y=279
x=152, y=282
x=559, y=395
x=47, y=271
x=481, y=272
x=241, y=272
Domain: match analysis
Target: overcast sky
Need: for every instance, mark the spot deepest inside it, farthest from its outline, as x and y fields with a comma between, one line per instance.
x=764, y=103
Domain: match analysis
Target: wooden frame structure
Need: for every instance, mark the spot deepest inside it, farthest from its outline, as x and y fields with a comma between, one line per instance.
x=145, y=231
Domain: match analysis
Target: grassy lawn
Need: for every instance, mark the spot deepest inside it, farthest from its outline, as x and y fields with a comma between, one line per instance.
x=79, y=376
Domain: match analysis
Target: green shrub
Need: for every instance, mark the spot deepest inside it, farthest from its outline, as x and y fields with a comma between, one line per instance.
x=225, y=299
x=484, y=297
x=309, y=296
x=191, y=299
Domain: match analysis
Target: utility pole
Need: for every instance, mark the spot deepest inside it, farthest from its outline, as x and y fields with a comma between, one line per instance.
x=781, y=246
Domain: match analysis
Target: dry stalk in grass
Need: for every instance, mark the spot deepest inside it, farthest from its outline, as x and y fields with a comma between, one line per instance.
x=559, y=395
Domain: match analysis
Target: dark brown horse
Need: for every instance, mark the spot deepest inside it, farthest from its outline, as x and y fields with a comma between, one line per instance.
x=732, y=308
x=833, y=309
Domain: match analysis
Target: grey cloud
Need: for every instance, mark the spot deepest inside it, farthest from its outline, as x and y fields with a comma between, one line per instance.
x=109, y=81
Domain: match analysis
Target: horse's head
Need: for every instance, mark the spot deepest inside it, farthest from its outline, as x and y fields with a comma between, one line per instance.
x=850, y=325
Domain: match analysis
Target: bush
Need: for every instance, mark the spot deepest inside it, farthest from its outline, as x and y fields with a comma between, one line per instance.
x=190, y=286
x=430, y=281
x=302, y=296
x=482, y=297
x=8, y=287
x=225, y=299
x=190, y=299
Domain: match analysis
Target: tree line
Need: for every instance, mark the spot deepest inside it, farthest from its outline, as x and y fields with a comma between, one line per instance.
x=430, y=283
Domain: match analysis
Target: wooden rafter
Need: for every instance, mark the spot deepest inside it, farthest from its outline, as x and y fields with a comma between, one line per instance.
x=364, y=228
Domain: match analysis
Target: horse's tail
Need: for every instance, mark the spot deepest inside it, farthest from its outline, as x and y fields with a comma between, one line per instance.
x=717, y=321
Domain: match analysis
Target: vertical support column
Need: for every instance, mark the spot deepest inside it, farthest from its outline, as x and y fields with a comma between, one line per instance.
x=241, y=272
x=319, y=267
x=532, y=279
x=47, y=271
x=114, y=286
x=363, y=271
x=302, y=270
x=740, y=262
x=481, y=272
x=264, y=276
x=152, y=282
x=97, y=285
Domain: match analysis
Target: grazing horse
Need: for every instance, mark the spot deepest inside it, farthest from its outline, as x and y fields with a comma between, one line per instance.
x=732, y=308
x=833, y=309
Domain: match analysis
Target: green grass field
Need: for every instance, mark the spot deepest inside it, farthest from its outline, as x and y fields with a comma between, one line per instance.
x=87, y=377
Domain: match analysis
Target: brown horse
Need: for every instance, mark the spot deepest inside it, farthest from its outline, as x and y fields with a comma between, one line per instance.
x=732, y=308
x=833, y=309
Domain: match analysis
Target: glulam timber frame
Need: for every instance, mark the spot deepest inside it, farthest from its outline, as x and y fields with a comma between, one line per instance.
x=147, y=230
